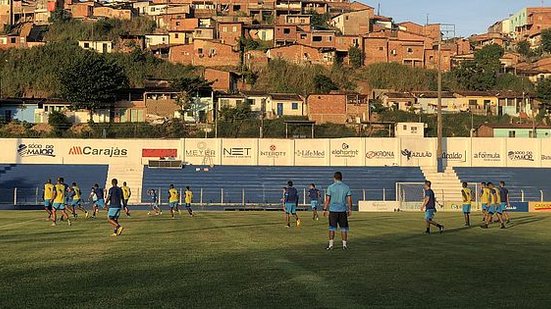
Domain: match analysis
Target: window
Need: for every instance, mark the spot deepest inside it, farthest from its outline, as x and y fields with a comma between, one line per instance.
x=176, y=35
x=200, y=50
x=234, y=29
x=410, y=50
x=330, y=38
x=405, y=127
x=393, y=52
x=381, y=48
x=238, y=102
x=513, y=133
x=316, y=38
x=303, y=36
x=413, y=129
x=286, y=30
x=177, y=23
x=346, y=18
x=224, y=102
x=224, y=29
x=473, y=104
x=294, y=106
x=86, y=45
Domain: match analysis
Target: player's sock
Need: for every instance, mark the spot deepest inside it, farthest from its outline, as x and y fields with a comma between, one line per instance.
x=427, y=230
x=344, y=243
x=331, y=243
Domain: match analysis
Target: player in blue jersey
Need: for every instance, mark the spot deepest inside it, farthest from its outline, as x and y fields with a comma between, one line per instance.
x=314, y=195
x=504, y=193
x=114, y=200
x=429, y=206
x=154, y=202
x=290, y=202
x=338, y=201
x=98, y=199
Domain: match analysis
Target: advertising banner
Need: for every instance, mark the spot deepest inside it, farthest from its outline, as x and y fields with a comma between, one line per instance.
x=159, y=153
x=456, y=151
x=488, y=152
x=518, y=207
x=239, y=151
x=202, y=151
x=311, y=152
x=32, y=151
x=522, y=152
x=545, y=152
x=273, y=152
x=539, y=206
x=347, y=152
x=378, y=206
x=381, y=152
x=417, y=151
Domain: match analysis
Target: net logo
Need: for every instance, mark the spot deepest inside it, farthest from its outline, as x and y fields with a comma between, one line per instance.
x=112, y=152
x=237, y=152
x=415, y=154
x=35, y=150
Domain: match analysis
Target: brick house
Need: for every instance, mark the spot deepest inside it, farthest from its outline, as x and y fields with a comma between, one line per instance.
x=225, y=81
x=211, y=53
x=255, y=59
x=317, y=38
x=302, y=54
x=183, y=24
x=431, y=31
x=285, y=34
x=230, y=33
x=340, y=108
x=109, y=12
x=354, y=23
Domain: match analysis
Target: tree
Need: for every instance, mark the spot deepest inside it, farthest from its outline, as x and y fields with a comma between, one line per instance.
x=59, y=122
x=187, y=88
x=355, y=55
x=546, y=40
x=324, y=84
x=60, y=16
x=543, y=90
x=92, y=82
x=481, y=73
x=319, y=21
x=523, y=48
x=514, y=83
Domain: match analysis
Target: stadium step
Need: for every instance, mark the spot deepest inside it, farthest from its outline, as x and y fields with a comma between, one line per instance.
x=132, y=174
x=446, y=185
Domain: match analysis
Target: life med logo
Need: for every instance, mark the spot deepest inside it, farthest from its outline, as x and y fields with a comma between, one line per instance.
x=112, y=152
x=36, y=150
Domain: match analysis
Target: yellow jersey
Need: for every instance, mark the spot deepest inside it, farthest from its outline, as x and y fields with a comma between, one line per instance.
x=48, y=191
x=125, y=192
x=485, y=196
x=467, y=196
x=173, y=195
x=59, y=193
x=496, y=198
x=77, y=193
x=188, y=197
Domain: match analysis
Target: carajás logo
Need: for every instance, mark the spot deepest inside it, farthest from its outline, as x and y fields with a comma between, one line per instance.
x=35, y=150
x=104, y=152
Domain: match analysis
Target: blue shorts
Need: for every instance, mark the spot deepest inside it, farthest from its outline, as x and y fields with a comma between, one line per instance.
x=188, y=205
x=75, y=202
x=492, y=209
x=291, y=208
x=466, y=208
x=59, y=206
x=173, y=204
x=485, y=207
x=48, y=204
x=100, y=203
x=114, y=213
x=429, y=214
x=498, y=208
x=314, y=204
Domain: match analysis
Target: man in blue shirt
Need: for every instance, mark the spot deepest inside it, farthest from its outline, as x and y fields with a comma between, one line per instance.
x=504, y=194
x=290, y=201
x=114, y=200
x=429, y=206
x=99, y=199
x=314, y=195
x=338, y=201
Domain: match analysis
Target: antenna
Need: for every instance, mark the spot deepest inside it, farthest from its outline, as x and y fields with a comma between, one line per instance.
x=427, y=18
x=379, y=8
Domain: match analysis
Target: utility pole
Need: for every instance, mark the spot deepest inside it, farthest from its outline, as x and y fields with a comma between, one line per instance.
x=440, y=167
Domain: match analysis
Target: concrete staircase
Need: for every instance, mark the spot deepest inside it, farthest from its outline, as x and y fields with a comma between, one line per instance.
x=132, y=174
x=446, y=186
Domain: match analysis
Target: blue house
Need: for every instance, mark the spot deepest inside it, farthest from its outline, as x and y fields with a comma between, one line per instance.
x=17, y=109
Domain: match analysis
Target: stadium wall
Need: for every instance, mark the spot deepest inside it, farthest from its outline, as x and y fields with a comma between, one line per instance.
x=475, y=152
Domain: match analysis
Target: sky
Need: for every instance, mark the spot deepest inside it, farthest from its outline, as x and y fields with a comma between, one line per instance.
x=469, y=16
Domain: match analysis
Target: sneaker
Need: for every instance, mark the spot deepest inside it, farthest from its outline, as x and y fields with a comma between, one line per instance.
x=508, y=221
x=329, y=248
x=299, y=223
x=114, y=235
x=160, y=212
x=173, y=217
x=128, y=215
x=288, y=226
x=68, y=222
x=119, y=230
x=54, y=224
x=317, y=218
x=441, y=229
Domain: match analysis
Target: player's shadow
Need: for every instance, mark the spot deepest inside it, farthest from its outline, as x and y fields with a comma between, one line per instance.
x=525, y=220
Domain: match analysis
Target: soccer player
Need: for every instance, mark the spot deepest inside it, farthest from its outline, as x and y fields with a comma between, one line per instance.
x=48, y=197
x=290, y=200
x=126, y=194
x=314, y=195
x=76, y=202
x=338, y=201
x=99, y=196
x=504, y=194
x=495, y=206
x=173, y=199
x=59, y=202
x=467, y=200
x=484, y=200
x=429, y=206
x=154, y=202
x=188, y=199
x=114, y=200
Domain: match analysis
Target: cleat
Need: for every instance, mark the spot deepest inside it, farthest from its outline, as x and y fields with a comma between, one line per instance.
x=54, y=224
x=299, y=223
x=173, y=218
x=114, y=235
x=119, y=230
x=86, y=215
x=427, y=232
x=329, y=248
x=503, y=226
x=484, y=226
x=441, y=229
x=68, y=222
x=317, y=218
x=344, y=248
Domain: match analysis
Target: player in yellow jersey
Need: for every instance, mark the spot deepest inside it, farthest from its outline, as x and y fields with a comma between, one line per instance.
x=76, y=200
x=188, y=199
x=484, y=200
x=467, y=195
x=48, y=197
x=173, y=199
x=126, y=194
x=494, y=206
x=59, y=201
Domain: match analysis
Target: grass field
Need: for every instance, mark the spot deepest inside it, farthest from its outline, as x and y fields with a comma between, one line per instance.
x=250, y=260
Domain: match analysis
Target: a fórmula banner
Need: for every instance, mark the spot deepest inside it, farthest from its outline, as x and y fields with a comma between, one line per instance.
x=417, y=151
x=488, y=152
x=522, y=152
x=241, y=151
x=274, y=152
x=202, y=151
x=347, y=152
x=382, y=152
x=312, y=152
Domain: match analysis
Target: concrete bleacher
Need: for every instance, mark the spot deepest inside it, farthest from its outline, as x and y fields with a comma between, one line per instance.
x=264, y=184
x=529, y=180
x=29, y=179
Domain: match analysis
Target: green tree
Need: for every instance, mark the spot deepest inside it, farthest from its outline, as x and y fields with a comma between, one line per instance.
x=59, y=122
x=523, y=48
x=187, y=88
x=92, y=82
x=543, y=90
x=482, y=72
x=514, y=83
x=60, y=16
x=324, y=84
x=319, y=21
x=546, y=40
x=355, y=55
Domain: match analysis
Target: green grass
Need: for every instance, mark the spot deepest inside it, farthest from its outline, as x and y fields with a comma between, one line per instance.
x=249, y=260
